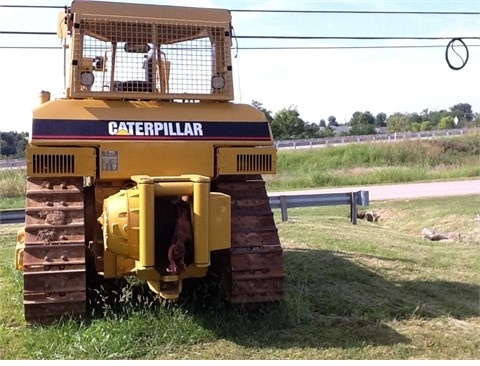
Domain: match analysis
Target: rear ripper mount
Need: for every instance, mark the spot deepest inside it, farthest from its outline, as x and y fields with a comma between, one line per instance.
x=54, y=247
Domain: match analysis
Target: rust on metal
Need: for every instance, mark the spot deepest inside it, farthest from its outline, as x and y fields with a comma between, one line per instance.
x=54, y=256
x=256, y=267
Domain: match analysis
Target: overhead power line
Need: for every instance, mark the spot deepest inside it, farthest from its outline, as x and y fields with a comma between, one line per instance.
x=29, y=33
x=368, y=38
x=359, y=12
x=357, y=38
x=267, y=48
x=33, y=6
x=386, y=12
x=31, y=48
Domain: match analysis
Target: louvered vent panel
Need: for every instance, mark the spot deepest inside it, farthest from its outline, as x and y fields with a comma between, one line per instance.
x=53, y=163
x=254, y=163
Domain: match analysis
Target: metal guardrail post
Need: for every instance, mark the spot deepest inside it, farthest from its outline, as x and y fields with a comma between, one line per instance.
x=353, y=208
x=283, y=207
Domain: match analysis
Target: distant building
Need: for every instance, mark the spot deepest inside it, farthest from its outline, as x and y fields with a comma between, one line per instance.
x=381, y=130
x=341, y=130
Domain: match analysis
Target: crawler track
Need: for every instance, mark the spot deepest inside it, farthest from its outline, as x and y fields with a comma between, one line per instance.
x=54, y=254
x=254, y=265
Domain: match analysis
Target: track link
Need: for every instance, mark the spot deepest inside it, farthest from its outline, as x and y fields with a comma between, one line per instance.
x=54, y=253
x=255, y=264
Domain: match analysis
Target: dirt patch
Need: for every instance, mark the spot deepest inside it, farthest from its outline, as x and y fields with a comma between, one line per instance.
x=387, y=214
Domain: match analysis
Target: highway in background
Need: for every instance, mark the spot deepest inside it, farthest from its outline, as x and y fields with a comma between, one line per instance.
x=401, y=191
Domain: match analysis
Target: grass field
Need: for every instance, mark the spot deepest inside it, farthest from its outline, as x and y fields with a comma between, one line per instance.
x=367, y=291
x=378, y=163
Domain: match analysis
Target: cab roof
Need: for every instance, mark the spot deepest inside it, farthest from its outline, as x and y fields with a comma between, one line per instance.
x=130, y=10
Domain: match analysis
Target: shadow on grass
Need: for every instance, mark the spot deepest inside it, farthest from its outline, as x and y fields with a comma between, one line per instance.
x=333, y=302
x=330, y=301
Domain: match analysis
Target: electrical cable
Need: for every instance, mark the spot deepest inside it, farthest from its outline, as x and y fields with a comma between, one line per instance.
x=367, y=38
x=450, y=46
x=357, y=38
x=385, y=12
x=33, y=6
x=358, y=12
x=29, y=33
x=266, y=48
x=447, y=57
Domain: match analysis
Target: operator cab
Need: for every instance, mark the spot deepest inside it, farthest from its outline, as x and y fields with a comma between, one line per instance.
x=118, y=53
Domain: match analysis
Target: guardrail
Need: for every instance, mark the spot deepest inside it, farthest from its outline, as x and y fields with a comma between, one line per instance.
x=16, y=216
x=12, y=164
x=337, y=140
x=354, y=199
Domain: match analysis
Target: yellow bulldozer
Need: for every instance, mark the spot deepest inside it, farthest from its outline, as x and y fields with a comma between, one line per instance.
x=146, y=167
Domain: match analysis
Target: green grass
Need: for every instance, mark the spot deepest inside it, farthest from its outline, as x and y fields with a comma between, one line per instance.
x=378, y=163
x=365, y=291
x=12, y=188
x=12, y=202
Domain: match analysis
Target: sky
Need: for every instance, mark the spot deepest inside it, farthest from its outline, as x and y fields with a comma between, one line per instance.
x=325, y=80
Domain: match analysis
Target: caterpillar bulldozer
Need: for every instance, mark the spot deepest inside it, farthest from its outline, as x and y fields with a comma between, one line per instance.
x=146, y=167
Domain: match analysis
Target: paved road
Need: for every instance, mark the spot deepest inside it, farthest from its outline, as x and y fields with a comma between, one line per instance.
x=402, y=191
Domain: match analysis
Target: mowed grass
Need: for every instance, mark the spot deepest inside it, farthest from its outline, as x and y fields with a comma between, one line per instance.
x=366, y=291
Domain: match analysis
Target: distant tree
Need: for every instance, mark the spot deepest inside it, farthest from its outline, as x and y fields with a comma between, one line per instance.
x=13, y=143
x=435, y=116
x=476, y=121
x=312, y=130
x=415, y=127
x=288, y=125
x=414, y=118
x=426, y=126
x=327, y=132
x=362, y=123
x=332, y=121
x=381, y=120
x=398, y=122
x=446, y=123
x=420, y=126
x=7, y=146
x=22, y=143
x=323, y=123
x=463, y=111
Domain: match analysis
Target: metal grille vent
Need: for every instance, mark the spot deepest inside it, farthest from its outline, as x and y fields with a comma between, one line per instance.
x=53, y=163
x=254, y=162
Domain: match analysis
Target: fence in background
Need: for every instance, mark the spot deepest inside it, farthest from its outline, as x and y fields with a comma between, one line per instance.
x=337, y=140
